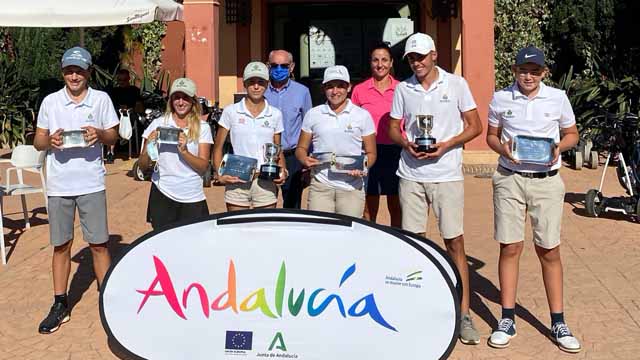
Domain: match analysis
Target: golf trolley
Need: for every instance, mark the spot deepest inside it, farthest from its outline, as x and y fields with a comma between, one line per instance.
x=621, y=138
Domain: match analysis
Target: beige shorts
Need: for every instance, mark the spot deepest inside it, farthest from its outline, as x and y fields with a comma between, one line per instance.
x=258, y=193
x=515, y=197
x=323, y=197
x=445, y=198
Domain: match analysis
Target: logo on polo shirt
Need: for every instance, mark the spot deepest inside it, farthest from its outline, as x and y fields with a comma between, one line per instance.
x=241, y=120
x=266, y=123
x=445, y=99
x=508, y=114
x=349, y=129
x=90, y=117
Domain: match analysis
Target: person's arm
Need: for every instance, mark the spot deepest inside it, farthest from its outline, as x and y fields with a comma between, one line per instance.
x=302, y=150
x=494, y=141
x=43, y=141
x=472, y=129
x=284, y=173
x=200, y=162
x=104, y=136
x=395, y=133
x=221, y=136
x=569, y=137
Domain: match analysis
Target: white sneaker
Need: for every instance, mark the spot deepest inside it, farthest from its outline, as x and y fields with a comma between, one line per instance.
x=502, y=336
x=562, y=336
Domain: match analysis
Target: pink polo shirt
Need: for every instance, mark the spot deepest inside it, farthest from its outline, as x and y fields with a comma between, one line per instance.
x=378, y=104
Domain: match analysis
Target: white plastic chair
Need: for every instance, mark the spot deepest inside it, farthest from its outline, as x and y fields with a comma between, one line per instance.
x=27, y=158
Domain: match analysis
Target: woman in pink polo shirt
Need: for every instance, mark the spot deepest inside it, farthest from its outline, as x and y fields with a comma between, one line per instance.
x=376, y=95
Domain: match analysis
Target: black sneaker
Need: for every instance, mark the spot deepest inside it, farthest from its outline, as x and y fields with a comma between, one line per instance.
x=109, y=158
x=58, y=315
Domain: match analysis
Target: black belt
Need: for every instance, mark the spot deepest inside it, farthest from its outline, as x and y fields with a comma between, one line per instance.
x=532, y=175
x=289, y=152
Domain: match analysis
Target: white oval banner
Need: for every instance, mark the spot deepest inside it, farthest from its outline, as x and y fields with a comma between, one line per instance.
x=273, y=285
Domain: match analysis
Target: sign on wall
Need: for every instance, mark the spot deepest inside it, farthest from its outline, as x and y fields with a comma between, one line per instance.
x=276, y=284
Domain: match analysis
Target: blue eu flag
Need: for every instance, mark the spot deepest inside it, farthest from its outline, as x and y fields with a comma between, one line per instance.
x=238, y=340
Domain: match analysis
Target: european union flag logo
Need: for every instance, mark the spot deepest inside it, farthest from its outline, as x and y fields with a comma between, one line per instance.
x=238, y=340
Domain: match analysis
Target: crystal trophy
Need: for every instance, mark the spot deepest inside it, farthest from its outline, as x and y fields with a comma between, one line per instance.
x=532, y=149
x=348, y=163
x=270, y=170
x=425, y=141
x=239, y=166
x=73, y=138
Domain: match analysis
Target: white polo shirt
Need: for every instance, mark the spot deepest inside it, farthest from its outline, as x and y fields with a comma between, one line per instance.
x=446, y=99
x=175, y=178
x=249, y=134
x=76, y=171
x=541, y=116
x=341, y=134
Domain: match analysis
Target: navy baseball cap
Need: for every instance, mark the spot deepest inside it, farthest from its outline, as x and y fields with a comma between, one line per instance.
x=530, y=54
x=76, y=56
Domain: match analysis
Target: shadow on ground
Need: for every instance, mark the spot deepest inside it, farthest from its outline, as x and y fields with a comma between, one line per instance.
x=84, y=277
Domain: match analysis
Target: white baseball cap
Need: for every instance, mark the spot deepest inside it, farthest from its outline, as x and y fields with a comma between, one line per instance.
x=183, y=85
x=419, y=43
x=337, y=72
x=255, y=69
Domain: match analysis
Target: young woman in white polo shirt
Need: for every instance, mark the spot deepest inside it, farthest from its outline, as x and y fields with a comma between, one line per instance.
x=176, y=190
x=251, y=123
x=340, y=127
x=529, y=107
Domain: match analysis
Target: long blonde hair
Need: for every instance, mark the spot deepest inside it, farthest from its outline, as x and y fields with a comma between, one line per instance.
x=193, y=118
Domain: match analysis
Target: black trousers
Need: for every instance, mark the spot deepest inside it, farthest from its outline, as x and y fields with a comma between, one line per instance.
x=292, y=188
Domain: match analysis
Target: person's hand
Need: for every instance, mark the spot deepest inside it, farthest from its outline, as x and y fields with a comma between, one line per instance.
x=55, y=139
x=506, y=152
x=152, y=136
x=91, y=134
x=310, y=162
x=182, y=143
x=228, y=179
x=441, y=148
x=284, y=174
x=357, y=173
x=412, y=149
x=556, y=155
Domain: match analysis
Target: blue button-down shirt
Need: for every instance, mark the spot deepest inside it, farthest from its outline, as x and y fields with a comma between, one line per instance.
x=293, y=100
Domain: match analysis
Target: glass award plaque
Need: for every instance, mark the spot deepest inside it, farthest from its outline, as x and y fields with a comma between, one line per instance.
x=168, y=135
x=532, y=149
x=348, y=163
x=240, y=166
x=73, y=138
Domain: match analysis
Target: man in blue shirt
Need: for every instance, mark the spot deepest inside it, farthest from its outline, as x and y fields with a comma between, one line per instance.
x=293, y=100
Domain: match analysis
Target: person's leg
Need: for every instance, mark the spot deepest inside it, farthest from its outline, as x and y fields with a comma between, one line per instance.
x=321, y=197
x=395, y=211
x=509, y=206
x=552, y=276
x=61, y=218
x=92, y=209
x=371, y=207
x=350, y=202
x=292, y=188
x=413, y=200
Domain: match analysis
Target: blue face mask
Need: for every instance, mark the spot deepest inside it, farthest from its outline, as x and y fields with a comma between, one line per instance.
x=279, y=73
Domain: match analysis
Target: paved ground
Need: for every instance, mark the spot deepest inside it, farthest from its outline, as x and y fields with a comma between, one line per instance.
x=601, y=258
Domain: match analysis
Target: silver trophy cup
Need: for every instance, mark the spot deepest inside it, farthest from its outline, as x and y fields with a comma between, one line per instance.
x=425, y=141
x=270, y=170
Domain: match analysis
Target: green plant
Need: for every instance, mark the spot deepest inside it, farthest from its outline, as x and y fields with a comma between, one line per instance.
x=150, y=38
x=16, y=113
x=518, y=24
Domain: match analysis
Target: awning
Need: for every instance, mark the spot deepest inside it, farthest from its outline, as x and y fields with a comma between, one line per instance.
x=86, y=13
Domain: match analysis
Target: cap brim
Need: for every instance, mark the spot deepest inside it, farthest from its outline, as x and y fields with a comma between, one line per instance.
x=78, y=63
x=334, y=79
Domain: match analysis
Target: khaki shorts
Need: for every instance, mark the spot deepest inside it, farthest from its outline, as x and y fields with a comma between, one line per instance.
x=323, y=197
x=445, y=198
x=515, y=197
x=258, y=193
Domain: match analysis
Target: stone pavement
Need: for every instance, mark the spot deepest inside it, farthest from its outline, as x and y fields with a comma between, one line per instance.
x=601, y=258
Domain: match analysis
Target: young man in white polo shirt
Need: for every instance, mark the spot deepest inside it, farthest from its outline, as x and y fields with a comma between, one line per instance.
x=342, y=128
x=251, y=123
x=75, y=176
x=435, y=178
x=529, y=107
